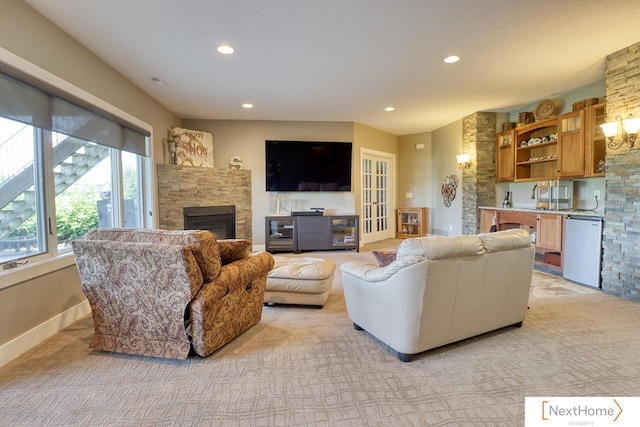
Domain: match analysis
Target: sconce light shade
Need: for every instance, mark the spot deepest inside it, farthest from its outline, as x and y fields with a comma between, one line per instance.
x=464, y=161
x=610, y=129
x=463, y=158
x=630, y=128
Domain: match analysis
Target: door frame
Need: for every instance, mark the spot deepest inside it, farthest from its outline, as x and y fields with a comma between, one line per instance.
x=390, y=233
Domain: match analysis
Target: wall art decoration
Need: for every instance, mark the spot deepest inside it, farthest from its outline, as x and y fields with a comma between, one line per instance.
x=449, y=189
x=235, y=162
x=193, y=147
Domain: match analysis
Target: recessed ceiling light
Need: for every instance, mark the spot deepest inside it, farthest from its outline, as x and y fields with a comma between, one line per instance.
x=247, y=105
x=226, y=50
x=451, y=59
x=389, y=109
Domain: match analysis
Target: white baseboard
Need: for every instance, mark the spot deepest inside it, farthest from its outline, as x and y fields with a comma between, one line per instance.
x=35, y=336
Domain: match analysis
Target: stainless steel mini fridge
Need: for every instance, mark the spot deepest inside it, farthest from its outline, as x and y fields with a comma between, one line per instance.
x=583, y=250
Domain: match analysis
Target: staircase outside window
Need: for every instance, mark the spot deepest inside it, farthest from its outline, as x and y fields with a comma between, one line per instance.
x=54, y=188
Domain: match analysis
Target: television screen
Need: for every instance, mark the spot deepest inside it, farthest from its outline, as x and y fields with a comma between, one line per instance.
x=308, y=166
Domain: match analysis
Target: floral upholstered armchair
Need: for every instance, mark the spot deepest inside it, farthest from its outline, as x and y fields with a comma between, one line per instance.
x=162, y=293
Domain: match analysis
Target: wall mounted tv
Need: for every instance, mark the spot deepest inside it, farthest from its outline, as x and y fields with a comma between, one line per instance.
x=308, y=166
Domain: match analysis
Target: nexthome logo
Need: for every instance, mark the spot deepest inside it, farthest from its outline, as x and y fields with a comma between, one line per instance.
x=582, y=411
x=550, y=410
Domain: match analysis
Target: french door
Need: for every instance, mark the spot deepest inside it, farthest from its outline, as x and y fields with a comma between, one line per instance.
x=378, y=196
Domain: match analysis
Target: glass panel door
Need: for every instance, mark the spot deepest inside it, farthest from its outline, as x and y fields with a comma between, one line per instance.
x=377, y=202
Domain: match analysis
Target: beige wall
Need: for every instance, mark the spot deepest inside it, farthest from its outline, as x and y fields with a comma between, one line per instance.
x=446, y=143
x=246, y=139
x=415, y=171
x=29, y=35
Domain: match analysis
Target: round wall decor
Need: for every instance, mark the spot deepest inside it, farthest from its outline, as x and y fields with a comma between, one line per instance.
x=544, y=110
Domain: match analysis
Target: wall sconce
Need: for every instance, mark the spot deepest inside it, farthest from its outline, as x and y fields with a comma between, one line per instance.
x=464, y=161
x=630, y=128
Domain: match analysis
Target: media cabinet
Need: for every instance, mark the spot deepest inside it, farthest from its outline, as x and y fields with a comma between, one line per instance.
x=312, y=233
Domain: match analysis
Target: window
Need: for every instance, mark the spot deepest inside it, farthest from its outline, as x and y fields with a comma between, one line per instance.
x=64, y=169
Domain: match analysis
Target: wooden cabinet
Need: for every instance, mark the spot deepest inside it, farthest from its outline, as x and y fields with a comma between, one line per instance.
x=547, y=226
x=486, y=219
x=506, y=155
x=568, y=146
x=594, y=140
x=412, y=222
x=571, y=146
x=549, y=232
x=537, y=151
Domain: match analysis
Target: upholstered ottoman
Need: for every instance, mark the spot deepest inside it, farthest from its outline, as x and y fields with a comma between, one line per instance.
x=301, y=281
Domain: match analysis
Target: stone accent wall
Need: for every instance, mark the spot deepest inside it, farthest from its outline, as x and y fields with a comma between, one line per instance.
x=478, y=182
x=183, y=186
x=621, y=235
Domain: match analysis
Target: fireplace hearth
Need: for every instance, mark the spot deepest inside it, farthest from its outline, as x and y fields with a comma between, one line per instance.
x=220, y=220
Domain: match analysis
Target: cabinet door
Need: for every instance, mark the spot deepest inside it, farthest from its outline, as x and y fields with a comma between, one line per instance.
x=280, y=234
x=594, y=140
x=549, y=231
x=486, y=220
x=571, y=144
x=313, y=233
x=506, y=155
x=344, y=232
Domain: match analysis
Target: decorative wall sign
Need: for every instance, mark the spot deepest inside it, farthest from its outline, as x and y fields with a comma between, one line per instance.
x=193, y=147
x=449, y=189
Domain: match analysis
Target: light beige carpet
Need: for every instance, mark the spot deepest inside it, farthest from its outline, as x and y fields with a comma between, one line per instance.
x=307, y=367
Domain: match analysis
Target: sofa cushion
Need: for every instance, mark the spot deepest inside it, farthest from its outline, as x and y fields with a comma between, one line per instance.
x=234, y=249
x=203, y=244
x=505, y=240
x=438, y=247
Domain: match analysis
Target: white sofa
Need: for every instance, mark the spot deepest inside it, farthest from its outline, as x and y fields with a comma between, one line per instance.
x=440, y=290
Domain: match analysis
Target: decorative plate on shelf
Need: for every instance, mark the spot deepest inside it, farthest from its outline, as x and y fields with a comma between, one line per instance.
x=544, y=110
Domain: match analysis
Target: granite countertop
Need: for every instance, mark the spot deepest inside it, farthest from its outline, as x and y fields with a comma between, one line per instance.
x=596, y=214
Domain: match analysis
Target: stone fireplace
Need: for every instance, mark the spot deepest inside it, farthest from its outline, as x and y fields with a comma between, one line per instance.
x=199, y=190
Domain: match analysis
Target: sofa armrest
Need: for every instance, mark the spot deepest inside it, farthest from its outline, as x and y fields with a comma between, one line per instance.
x=233, y=250
x=230, y=304
x=233, y=276
x=372, y=273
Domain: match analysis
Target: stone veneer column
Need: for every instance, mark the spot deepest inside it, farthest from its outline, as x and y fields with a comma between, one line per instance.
x=621, y=236
x=478, y=182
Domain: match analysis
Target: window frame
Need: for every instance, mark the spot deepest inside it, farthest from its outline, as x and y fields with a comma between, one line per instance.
x=53, y=260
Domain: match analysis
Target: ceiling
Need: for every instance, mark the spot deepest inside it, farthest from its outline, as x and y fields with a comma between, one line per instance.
x=346, y=60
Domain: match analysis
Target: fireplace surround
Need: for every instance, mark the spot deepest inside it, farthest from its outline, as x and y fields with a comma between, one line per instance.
x=220, y=220
x=180, y=187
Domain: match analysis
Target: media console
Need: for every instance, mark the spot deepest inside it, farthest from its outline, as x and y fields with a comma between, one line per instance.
x=311, y=233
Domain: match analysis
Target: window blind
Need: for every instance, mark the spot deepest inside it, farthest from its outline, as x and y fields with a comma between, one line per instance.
x=32, y=101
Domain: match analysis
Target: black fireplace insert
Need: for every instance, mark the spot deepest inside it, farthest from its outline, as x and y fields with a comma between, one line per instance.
x=220, y=220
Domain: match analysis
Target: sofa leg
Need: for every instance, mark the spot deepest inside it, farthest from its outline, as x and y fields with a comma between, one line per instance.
x=357, y=328
x=405, y=357
x=517, y=325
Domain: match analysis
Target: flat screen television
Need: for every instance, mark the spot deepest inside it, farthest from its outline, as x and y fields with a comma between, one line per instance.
x=308, y=166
